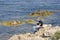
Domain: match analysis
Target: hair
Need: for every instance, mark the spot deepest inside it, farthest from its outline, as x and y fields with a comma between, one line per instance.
x=37, y=23
x=40, y=22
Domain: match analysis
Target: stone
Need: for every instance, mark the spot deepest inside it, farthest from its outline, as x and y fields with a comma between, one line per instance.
x=47, y=30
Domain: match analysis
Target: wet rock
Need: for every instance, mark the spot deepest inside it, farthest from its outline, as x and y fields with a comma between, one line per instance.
x=13, y=23
x=41, y=13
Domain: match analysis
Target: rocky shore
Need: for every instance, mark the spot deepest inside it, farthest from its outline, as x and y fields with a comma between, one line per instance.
x=48, y=30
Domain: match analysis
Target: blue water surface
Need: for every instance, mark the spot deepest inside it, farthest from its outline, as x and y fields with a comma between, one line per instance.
x=18, y=9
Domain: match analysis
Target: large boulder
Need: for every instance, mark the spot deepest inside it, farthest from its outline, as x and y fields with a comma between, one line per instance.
x=48, y=30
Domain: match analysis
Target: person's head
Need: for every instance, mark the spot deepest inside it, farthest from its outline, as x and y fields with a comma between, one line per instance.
x=41, y=23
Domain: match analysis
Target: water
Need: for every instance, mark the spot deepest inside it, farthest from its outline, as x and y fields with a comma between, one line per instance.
x=18, y=9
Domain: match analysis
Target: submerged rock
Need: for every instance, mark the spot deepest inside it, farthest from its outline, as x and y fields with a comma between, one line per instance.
x=17, y=23
x=30, y=21
x=41, y=13
x=13, y=23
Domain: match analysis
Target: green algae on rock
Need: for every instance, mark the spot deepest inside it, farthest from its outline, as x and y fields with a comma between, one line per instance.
x=41, y=13
x=30, y=21
x=13, y=23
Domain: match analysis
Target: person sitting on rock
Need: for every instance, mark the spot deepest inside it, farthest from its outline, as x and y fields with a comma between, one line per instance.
x=37, y=27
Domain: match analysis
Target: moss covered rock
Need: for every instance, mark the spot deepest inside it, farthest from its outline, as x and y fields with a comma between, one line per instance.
x=41, y=13
x=13, y=23
x=30, y=21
